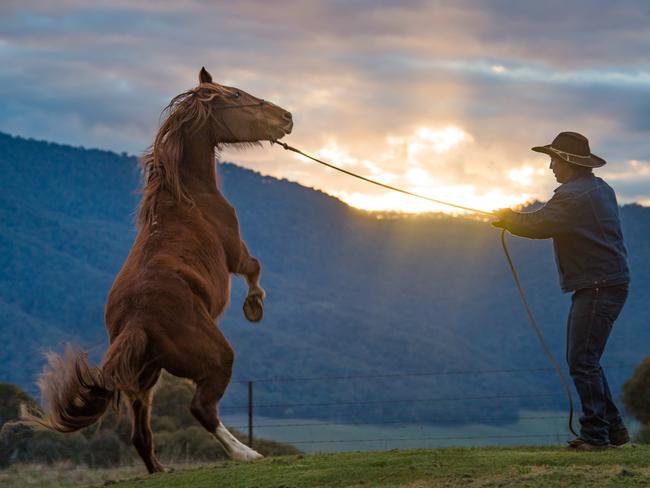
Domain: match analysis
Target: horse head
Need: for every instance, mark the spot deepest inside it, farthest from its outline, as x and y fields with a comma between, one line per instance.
x=239, y=117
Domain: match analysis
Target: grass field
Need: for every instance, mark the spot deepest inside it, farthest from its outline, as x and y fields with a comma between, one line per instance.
x=475, y=467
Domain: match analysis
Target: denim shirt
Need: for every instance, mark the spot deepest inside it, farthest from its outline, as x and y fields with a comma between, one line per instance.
x=582, y=219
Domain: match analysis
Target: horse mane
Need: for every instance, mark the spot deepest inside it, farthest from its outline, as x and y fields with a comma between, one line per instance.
x=160, y=164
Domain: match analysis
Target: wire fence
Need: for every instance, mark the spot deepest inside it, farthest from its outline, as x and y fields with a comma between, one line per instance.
x=403, y=422
x=438, y=438
x=416, y=374
x=273, y=426
x=391, y=402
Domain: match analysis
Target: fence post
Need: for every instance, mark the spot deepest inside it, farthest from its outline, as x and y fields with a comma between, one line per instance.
x=250, y=414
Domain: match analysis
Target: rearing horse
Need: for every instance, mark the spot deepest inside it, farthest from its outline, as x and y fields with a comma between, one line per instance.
x=163, y=307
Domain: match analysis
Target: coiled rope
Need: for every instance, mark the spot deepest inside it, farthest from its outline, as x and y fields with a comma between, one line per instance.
x=513, y=270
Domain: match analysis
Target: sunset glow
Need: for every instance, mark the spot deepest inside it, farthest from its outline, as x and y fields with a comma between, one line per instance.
x=439, y=141
x=465, y=196
x=417, y=164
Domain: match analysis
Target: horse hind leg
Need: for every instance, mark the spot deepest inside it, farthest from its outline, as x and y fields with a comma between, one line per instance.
x=250, y=267
x=141, y=435
x=204, y=408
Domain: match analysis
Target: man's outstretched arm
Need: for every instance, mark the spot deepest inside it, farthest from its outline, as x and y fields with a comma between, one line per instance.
x=552, y=219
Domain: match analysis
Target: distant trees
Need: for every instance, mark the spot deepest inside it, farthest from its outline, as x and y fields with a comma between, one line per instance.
x=636, y=397
x=11, y=398
x=178, y=438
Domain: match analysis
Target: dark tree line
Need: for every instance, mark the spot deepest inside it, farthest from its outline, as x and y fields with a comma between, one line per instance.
x=636, y=397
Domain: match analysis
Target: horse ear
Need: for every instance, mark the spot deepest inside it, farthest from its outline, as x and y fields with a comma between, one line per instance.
x=204, y=76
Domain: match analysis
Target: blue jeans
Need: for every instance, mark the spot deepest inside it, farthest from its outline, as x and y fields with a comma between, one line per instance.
x=593, y=312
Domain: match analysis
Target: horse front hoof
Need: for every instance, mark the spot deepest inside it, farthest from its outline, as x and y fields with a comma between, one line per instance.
x=254, y=308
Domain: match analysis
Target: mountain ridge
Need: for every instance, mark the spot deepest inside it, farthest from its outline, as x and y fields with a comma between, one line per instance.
x=349, y=294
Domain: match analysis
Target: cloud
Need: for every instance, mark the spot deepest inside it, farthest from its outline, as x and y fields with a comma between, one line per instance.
x=358, y=76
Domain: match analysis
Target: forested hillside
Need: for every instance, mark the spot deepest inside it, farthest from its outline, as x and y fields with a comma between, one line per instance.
x=349, y=292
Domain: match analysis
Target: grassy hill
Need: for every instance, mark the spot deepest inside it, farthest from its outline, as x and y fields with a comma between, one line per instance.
x=475, y=467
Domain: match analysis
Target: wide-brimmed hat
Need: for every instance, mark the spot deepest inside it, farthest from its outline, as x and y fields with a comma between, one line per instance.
x=572, y=148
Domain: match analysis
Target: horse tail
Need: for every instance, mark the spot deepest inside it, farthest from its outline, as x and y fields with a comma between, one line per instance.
x=76, y=395
x=125, y=359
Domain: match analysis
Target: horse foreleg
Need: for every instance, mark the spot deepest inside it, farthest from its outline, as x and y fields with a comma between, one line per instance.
x=204, y=408
x=141, y=435
x=250, y=268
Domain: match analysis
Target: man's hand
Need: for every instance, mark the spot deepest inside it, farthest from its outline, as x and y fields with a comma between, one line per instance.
x=500, y=216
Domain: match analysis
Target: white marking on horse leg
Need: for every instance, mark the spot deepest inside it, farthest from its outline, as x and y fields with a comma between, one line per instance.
x=235, y=449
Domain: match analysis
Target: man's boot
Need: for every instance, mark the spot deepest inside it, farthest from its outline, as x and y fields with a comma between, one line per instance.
x=619, y=437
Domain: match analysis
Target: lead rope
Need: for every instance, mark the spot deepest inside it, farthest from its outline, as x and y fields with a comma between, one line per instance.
x=538, y=332
x=513, y=270
x=290, y=148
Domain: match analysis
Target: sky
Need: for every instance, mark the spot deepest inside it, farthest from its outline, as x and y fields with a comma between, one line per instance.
x=441, y=98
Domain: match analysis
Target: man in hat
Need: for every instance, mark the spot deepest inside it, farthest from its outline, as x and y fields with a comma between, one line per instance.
x=582, y=219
